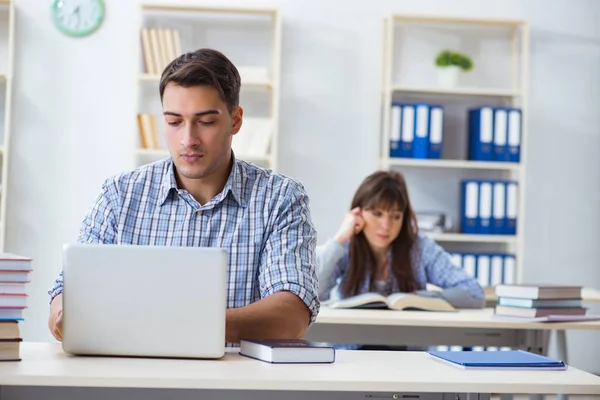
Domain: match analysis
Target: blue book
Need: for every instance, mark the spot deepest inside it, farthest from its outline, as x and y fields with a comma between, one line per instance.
x=513, y=359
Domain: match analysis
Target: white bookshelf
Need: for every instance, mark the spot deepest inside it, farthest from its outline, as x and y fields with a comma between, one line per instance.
x=257, y=59
x=7, y=29
x=499, y=49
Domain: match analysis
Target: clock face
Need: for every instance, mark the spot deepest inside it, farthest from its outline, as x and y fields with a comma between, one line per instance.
x=77, y=17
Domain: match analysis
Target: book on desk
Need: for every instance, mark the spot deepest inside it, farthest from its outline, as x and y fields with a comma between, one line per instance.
x=512, y=359
x=541, y=303
x=395, y=301
x=288, y=351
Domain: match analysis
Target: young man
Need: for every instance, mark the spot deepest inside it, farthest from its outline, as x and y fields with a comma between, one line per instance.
x=203, y=196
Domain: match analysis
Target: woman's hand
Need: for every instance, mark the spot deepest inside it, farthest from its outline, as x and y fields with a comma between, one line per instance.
x=352, y=224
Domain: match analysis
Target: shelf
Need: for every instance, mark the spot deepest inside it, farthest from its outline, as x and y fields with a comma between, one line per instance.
x=458, y=91
x=169, y=6
x=459, y=21
x=149, y=78
x=466, y=238
x=455, y=164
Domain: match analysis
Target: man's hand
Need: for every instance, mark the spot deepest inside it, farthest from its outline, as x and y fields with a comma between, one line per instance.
x=55, y=319
x=282, y=315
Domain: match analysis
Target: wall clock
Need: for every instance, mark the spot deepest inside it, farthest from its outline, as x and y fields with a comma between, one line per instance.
x=78, y=17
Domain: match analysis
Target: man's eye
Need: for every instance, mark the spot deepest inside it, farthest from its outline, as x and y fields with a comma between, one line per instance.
x=206, y=123
x=173, y=123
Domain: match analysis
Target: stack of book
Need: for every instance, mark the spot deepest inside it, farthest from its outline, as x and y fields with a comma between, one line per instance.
x=14, y=276
x=543, y=302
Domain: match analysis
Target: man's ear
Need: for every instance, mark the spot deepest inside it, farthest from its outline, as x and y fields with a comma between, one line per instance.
x=237, y=117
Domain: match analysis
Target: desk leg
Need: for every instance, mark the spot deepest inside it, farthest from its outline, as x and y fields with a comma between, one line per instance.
x=561, y=347
x=535, y=341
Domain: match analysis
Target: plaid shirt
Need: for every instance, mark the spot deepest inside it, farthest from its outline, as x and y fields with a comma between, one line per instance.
x=261, y=218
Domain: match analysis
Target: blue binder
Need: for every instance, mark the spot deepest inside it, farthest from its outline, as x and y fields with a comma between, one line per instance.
x=481, y=133
x=408, y=131
x=436, y=131
x=513, y=359
x=514, y=134
x=470, y=207
x=421, y=144
x=499, y=208
x=485, y=207
x=395, y=130
x=512, y=203
x=500, y=134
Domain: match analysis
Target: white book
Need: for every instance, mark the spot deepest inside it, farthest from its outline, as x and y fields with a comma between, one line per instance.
x=288, y=351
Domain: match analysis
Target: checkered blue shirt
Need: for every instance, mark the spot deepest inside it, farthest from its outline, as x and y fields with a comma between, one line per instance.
x=261, y=218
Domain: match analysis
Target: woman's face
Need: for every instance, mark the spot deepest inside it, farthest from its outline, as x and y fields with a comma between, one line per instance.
x=382, y=226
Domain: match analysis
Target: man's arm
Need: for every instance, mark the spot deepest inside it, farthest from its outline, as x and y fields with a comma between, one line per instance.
x=287, y=276
x=281, y=315
x=98, y=226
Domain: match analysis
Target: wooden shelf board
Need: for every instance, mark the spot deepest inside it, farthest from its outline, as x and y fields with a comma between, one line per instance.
x=458, y=91
x=150, y=78
x=453, y=164
x=169, y=6
x=467, y=238
x=457, y=21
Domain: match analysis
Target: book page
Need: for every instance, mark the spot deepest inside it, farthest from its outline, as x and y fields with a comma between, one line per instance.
x=359, y=300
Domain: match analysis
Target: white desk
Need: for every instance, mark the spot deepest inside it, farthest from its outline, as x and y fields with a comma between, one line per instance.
x=464, y=328
x=46, y=372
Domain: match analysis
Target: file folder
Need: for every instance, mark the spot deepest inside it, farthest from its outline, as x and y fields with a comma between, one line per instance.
x=499, y=208
x=395, y=130
x=500, y=134
x=470, y=265
x=421, y=138
x=497, y=269
x=408, y=130
x=510, y=273
x=483, y=270
x=485, y=207
x=436, y=131
x=481, y=131
x=514, y=135
x=512, y=359
x=470, y=207
x=512, y=202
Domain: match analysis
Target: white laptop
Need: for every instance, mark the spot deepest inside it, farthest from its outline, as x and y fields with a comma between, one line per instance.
x=146, y=301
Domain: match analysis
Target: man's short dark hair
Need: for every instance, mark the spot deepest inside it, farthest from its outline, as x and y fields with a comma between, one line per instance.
x=204, y=67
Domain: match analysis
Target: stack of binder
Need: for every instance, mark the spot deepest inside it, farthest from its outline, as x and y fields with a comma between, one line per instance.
x=416, y=130
x=495, y=134
x=489, y=207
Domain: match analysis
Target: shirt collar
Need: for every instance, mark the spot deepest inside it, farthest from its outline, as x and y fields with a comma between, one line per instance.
x=234, y=183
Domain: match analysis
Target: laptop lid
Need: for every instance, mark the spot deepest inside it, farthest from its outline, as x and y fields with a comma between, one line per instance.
x=156, y=301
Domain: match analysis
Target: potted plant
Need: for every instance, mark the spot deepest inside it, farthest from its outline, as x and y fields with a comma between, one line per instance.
x=449, y=65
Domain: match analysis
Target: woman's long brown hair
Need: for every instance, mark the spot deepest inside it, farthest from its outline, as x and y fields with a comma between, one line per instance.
x=387, y=190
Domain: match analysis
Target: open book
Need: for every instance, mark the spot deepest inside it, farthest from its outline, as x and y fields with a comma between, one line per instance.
x=395, y=301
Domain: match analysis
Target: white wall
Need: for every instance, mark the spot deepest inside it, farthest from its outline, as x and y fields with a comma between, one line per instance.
x=74, y=102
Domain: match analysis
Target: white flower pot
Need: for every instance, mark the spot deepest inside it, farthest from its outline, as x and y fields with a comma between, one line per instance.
x=448, y=76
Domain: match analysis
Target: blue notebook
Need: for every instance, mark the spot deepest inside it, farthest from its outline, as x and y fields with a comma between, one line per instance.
x=514, y=359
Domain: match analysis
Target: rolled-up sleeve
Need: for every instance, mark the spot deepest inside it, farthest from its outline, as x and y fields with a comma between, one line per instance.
x=288, y=262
